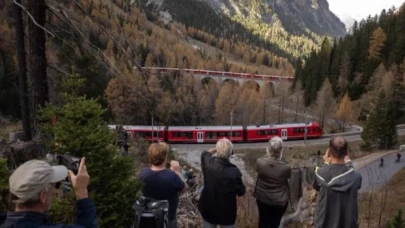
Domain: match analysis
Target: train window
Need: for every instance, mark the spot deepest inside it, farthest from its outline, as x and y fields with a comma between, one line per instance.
x=301, y=130
x=222, y=134
x=260, y=132
x=143, y=134
x=214, y=135
x=208, y=135
x=236, y=134
x=275, y=132
x=176, y=134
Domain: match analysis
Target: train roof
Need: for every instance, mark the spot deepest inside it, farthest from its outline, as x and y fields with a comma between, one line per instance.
x=138, y=128
x=286, y=125
x=213, y=128
x=206, y=128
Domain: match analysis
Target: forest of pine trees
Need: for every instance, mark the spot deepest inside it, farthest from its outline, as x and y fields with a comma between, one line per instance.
x=357, y=66
x=363, y=75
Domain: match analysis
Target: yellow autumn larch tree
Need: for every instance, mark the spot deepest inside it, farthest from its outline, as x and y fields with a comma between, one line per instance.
x=345, y=111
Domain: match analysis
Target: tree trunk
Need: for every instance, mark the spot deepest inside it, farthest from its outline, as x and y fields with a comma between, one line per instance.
x=22, y=74
x=37, y=61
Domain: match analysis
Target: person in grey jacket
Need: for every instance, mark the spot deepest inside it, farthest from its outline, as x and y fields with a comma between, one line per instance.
x=271, y=191
x=337, y=184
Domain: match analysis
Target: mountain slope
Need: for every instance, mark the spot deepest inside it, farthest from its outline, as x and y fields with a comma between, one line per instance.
x=287, y=28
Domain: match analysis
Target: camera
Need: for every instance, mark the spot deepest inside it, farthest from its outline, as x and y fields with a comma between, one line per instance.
x=71, y=162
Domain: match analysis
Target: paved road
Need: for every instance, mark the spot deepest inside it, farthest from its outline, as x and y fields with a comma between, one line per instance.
x=375, y=176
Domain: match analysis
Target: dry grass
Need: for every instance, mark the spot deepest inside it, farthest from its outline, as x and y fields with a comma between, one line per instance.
x=378, y=207
x=247, y=215
x=6, y=129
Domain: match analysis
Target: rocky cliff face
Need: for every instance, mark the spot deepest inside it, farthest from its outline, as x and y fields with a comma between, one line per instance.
x=285, y=27
x=296, y=16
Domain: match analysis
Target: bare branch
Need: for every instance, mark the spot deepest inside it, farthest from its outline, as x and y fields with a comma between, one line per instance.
x=56, y=69
x=32, y=18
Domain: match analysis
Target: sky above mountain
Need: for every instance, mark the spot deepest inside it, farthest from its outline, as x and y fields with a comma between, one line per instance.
x=359, y=9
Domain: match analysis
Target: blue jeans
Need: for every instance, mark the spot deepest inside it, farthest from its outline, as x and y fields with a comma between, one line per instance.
x=209, y=225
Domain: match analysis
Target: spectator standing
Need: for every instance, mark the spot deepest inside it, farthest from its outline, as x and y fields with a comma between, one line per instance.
x=222, y=184
x=338, y=185
x=161, y=183
x=272, y=188
x=33, y=186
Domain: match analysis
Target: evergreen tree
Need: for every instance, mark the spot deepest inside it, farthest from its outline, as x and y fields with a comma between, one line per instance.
x=4, y=193
x=380, y=130
x=398, y=221
x=81, y=132
x=351, y=61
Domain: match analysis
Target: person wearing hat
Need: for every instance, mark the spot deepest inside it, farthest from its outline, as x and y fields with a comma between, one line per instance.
x=32, y=188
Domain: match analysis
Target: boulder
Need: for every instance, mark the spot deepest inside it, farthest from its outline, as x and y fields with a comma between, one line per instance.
x=19, y=152
x=16, y=136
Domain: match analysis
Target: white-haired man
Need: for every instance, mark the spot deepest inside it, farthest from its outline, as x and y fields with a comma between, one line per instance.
x=32, y=188
x=222, y=184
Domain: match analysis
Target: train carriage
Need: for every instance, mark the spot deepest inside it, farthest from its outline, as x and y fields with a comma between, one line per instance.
x=284, y=131
x=155, y=133
x=261, y=133
x=297, y=131
x=204, y=134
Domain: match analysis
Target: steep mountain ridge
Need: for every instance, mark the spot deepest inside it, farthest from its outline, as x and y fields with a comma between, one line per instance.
x=295, y=15
x=289, y=28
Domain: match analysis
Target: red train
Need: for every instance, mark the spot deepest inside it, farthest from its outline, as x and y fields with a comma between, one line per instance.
x=210, y=134
x=222, y=73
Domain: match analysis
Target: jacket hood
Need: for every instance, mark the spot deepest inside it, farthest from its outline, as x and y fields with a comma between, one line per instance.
x=341, y=183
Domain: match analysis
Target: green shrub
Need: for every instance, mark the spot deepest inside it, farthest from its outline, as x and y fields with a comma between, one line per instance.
x=81, y=131
x=398, y=221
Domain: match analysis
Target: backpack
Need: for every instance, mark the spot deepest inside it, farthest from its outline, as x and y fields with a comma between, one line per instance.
x=151, y=213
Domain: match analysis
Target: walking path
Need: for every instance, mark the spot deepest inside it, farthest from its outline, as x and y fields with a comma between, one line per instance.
x=375, y=176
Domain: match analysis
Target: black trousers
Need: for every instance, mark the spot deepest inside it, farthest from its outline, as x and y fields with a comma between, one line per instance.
x=270, y=215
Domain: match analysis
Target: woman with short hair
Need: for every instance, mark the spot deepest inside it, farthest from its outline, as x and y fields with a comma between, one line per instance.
x=271, y=191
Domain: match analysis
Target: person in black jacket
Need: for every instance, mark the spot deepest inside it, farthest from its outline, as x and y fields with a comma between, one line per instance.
x=222, y=184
